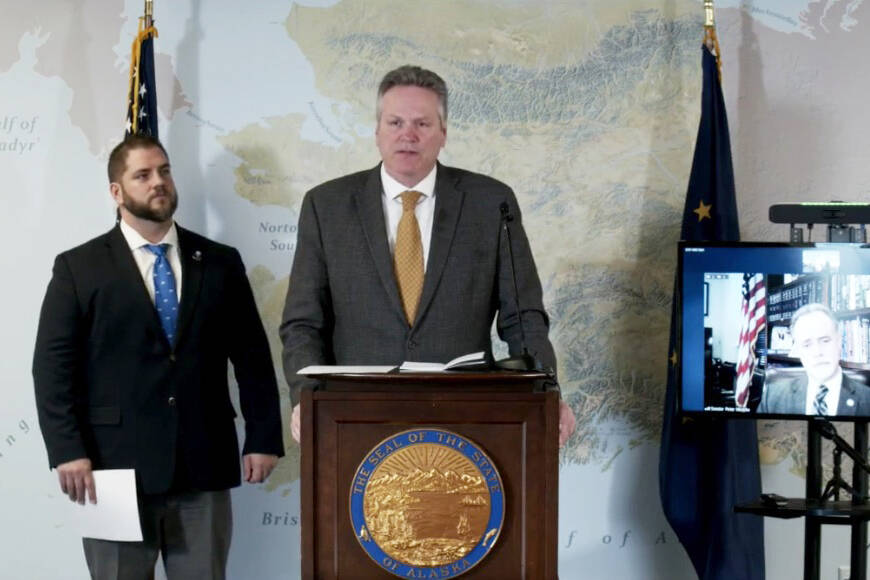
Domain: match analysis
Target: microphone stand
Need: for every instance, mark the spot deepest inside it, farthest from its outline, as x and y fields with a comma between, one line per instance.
x=524, y=361
x=832, y=488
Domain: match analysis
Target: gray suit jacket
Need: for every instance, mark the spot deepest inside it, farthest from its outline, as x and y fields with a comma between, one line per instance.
x=789, y=396
x=343, y=303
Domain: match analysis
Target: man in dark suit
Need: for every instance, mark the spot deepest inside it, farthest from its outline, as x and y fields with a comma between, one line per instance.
x=822, y=389
x=130, y=371
x=408, y=261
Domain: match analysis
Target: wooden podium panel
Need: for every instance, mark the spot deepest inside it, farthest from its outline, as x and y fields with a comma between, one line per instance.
x=508, y=415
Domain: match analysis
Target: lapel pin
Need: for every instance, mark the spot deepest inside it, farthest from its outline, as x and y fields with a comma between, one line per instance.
x=850, y=402
x=197, y=256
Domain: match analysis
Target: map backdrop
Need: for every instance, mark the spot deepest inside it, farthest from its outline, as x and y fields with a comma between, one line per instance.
x=588, y=109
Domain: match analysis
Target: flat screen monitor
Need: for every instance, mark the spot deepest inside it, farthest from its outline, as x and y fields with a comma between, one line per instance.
x=775, y=330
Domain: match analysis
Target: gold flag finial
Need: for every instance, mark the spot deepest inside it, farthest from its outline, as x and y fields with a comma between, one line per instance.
x=708, y=14
x=710, y=38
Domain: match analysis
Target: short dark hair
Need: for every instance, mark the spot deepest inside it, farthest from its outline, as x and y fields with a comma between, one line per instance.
x=118, y=156
x=414, y=76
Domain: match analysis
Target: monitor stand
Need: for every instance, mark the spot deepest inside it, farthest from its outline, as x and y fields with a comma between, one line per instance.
x=818, y=509
x=857, y=519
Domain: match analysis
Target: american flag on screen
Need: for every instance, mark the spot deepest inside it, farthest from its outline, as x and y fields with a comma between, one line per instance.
x=753, y=321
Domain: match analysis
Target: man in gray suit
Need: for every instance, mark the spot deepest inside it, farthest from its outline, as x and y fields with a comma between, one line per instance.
x=822, y=389
x=407, y=261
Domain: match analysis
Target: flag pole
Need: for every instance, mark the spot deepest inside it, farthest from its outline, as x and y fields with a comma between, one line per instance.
x=710, y=38
x=149, y=13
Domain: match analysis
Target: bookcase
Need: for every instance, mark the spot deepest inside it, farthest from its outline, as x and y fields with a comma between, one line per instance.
x=848, y=297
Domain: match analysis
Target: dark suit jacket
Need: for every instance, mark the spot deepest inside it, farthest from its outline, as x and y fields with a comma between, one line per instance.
x=343, y=303
x=790, y=396
x=111, y=388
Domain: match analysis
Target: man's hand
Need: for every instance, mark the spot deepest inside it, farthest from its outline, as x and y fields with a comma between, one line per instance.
x=258, y=466
x=77, y=479
x=294, y=423
x=567, y=422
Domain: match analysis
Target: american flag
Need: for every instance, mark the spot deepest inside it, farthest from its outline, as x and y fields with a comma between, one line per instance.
x=142, y=94
x=753, y=322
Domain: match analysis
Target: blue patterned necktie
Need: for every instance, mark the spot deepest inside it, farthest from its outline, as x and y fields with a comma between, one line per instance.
x=820, y=404
x=165, y=296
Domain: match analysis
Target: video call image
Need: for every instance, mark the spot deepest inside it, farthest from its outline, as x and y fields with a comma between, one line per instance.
x=788, y=344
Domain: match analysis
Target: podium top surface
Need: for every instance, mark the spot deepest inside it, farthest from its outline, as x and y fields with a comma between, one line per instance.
x=504, y=377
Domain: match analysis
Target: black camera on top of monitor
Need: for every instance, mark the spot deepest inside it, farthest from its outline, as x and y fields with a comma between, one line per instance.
x=839, y=216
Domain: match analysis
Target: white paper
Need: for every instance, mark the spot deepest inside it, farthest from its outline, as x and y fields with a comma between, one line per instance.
x=422, y=367
x=472, y=359
x=344, y=369
x=115, y=516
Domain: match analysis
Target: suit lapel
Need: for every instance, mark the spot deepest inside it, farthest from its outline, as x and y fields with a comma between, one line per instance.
x=131, y=278
x=193, y=258
x=371, y=215
x=448, y=205
x=847, y=393
x=799, y=394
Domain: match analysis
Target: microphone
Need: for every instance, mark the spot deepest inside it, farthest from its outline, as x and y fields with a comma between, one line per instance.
x=524, y=361
x=827, y=430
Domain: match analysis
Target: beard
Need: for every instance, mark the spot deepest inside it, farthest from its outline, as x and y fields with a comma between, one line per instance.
x=145, y=212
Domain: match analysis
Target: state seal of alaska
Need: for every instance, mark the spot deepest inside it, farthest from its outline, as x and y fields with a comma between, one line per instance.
x=427, y=503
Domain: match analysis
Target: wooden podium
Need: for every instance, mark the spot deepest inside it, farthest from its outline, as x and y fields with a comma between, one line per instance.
x=510, y=416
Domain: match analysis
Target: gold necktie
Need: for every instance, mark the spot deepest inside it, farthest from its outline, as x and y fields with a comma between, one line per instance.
x=408, y=257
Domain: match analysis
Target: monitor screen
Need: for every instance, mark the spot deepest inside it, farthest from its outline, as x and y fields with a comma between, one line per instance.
x=775, y=330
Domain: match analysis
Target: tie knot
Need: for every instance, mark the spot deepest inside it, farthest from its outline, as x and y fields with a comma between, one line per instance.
x=409, y=200
x=158, y=250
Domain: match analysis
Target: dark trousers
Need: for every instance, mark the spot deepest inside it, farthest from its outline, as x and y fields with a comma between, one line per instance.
x=190, y=530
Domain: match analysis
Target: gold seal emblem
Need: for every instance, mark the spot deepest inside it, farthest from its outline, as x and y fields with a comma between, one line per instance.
x=427, y=503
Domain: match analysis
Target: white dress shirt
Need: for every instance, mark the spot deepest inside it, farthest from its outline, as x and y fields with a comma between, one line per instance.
x=145, y=259
x=832, y=399
x=425, y=210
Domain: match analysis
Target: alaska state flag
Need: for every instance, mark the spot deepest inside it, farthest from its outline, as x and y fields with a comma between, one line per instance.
x=706, y=465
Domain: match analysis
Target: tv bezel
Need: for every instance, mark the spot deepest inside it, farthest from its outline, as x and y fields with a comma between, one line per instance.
x=710, y=413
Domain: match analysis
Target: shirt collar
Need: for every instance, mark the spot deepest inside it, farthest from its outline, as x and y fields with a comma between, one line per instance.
x=135, y=240
x=393, y=189
x=833, y=384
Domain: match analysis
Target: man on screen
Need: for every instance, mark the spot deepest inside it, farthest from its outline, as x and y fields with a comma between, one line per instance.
x=822, y=389
x=406, y=261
